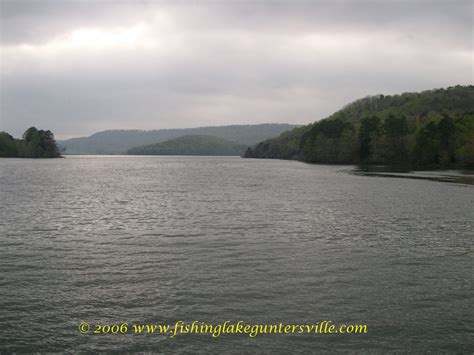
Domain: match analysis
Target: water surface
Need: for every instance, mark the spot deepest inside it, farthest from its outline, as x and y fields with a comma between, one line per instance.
x=455, y=176
x=159, y=239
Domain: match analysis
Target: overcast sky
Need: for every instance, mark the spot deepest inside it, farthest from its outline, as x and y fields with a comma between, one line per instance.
x=77, y=66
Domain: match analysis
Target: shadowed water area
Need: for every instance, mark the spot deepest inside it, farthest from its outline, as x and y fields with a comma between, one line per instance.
x=113, y=239
x=455, y=176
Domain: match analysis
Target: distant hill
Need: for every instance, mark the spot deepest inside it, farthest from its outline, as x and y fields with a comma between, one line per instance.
x=119, y=141
x=433, y=128
x=191, y=145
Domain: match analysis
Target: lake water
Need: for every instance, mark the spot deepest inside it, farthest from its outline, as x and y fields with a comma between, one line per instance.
x=113, y=239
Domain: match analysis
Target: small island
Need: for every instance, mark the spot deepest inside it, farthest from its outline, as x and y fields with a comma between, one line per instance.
x=34, y=144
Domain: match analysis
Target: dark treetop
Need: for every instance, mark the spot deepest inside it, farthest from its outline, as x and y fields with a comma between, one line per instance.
x=35, y=144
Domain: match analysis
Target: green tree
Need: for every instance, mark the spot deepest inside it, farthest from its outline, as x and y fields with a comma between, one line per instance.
x=395, y=130
x=8, y=146
x=368, y=131
x=446, y=132
x=427, y=143
x=38, y=144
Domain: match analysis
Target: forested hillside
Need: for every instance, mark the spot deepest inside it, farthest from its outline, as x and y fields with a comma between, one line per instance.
x=35, y=144
x=119, y=141
x=432, y=128
x=191, y=145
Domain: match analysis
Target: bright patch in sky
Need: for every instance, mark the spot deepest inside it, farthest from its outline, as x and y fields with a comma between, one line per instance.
x=94, y=38
x=99, y=38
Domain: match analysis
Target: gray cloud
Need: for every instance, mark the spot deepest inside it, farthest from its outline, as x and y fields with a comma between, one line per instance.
x=80, y=66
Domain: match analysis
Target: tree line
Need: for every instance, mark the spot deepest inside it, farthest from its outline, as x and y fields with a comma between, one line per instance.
x=431, y=129
x=34, y=144
x=191, y=145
